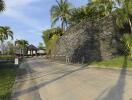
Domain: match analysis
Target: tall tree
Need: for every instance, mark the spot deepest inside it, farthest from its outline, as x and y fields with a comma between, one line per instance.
x=60, y=12
x=41, y=46
x=124, y=13
x=2, y=5
x=102, y=7
x=50, y=38
x=21, y=44
x=10, y=48
x=5, y=33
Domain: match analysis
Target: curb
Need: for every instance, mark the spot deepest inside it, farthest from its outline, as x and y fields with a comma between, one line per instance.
x=104, y=67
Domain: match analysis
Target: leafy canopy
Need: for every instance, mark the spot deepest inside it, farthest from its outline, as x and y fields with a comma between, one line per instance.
x=60, y=12
x=5, y=33
x=2, y=5
x=51, y=36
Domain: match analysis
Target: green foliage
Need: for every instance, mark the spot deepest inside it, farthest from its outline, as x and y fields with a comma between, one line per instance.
x=124, y=13
x=21, y=43
x=51, y=36
x=7, y=79
x=78, y=14
x=5, y=33
x=52, y=43
x=95, y=9
x=40, y=46
x=10, y=48
x=7, y=57
x=127, y=44
x=117, y=62
x=2, y=5
x=60, y=12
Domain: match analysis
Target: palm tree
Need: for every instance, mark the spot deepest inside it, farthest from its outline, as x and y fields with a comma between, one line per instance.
x=60, y=12
x=21, y=44
x=124, y=13
x=2, y=5
x=5, y=33
x=102, y=7
x=122, y=9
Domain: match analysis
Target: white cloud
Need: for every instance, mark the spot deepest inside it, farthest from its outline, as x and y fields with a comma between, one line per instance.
x=12, y=11
x=18, y=3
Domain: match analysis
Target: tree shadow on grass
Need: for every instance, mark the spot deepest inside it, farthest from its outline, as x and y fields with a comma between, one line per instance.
x=116, y=92
x=7, y=78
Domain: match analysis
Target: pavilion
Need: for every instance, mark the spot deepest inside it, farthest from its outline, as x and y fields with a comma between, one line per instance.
x=32, y=50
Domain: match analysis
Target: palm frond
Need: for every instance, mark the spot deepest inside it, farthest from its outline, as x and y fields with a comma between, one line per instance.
x=60, y=11
x=2, y=5
x=5, y=33
x=54, y=21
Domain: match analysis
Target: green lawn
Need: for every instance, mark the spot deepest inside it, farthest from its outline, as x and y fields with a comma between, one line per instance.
x=115, y=62
x=7, y=78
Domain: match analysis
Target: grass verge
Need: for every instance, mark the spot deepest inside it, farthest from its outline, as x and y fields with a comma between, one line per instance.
x=113, y=63
x=7, y=78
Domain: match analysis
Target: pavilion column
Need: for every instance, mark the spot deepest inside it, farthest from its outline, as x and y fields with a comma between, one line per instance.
x=32, y=52
x=36, y=52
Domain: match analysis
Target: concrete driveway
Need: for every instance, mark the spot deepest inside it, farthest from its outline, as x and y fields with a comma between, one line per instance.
x=40, y=79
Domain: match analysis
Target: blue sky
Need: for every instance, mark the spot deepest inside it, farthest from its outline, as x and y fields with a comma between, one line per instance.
x=28, y=18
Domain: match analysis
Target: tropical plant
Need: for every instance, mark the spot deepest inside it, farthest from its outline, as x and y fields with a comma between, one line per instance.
x=2, y=5
x=5, y=34
x=78, y=14
x=10, y=48
x=102, y=7
x=124, y=13
x=60, y=12
x=95, y=9
x=127, y=44
x=21, y=45
x=50, y=38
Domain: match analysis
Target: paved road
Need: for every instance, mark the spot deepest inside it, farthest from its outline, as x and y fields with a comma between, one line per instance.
x=40, y=79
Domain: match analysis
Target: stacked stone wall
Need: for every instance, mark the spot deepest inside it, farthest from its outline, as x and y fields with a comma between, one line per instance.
x=88, y=41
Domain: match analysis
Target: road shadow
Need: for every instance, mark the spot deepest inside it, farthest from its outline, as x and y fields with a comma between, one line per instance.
x=61, y=74
x=117, y=91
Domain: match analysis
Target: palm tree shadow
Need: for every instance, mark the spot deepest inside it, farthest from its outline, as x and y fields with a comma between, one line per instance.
x=116, y=92
x=36, y=87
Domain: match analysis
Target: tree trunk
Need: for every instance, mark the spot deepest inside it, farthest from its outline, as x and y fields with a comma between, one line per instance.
x=62, y=25
x=23, y=52
x=130, y=25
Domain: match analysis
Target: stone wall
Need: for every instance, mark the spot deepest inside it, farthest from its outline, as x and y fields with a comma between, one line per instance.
x=88, y=41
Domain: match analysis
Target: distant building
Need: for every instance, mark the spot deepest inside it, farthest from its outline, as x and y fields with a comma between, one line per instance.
x=32, y=50
x=41, y=52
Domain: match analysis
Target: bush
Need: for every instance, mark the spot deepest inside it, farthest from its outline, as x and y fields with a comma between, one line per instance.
x=7, y=57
